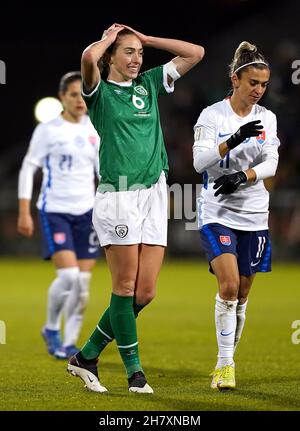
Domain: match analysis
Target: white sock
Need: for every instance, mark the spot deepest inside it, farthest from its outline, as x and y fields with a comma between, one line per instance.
x=225, y=318
x=240, y=322
x=74, y=308
x=57, y=294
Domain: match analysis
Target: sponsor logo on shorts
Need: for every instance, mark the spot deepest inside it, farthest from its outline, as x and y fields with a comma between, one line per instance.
x=255, y=263
x=225, y=239
x=121, y=230
x=59, y=237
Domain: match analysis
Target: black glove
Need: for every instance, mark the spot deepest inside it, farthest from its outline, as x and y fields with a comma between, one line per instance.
x=227, y=184
x=246, y=131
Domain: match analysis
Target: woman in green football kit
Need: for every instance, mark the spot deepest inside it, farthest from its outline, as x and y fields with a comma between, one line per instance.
x=130, y=210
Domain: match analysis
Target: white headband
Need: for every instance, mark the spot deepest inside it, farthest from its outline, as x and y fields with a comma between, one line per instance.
x=248, y=64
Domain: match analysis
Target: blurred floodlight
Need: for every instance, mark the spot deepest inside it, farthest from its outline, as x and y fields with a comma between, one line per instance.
x=47, y=109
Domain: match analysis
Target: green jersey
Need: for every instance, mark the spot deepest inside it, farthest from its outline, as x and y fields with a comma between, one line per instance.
x=127, y=121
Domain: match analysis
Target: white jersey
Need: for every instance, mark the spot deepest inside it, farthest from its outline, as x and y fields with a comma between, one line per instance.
x=248, y=207
x=68, y=154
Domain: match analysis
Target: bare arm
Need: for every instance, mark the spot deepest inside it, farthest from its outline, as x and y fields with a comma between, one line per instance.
x=25, y=222
x=93, y=53
x=223, y=149
x=251, y=174
x=187, y=54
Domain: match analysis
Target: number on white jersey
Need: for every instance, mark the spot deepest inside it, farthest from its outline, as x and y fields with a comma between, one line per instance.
x=65, y=162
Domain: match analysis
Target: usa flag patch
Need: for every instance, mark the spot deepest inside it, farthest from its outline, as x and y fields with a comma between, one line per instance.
x=225, y=239
x=59, y=238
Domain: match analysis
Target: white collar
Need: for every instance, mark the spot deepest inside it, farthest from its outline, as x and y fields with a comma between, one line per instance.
x=121, y=84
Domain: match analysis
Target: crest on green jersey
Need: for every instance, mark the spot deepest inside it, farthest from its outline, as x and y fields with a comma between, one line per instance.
x=141, y=90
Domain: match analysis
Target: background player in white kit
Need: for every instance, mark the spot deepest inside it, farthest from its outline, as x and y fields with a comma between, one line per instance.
x=236, y=148
x=66, y=149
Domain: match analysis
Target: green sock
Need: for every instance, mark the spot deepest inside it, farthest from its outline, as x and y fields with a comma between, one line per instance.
x=99, y=339
x=137, y=308
x=123, y=324
x=103, y=334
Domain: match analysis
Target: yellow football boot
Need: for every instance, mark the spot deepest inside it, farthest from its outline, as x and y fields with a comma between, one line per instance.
x=223, y=378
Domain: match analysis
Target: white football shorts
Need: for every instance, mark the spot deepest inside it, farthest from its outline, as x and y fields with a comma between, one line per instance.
x=132, y=217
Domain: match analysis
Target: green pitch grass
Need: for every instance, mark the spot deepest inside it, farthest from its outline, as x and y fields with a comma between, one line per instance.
x=177, y=344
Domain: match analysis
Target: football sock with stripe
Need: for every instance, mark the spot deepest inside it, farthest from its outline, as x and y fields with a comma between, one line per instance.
x=123, y=324
x=99, y=339
x=103, y=334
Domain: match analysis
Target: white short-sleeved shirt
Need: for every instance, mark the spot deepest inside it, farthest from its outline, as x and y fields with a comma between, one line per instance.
x=68, y=155
x=248, y=207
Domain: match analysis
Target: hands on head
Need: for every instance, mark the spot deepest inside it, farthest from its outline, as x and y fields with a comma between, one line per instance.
x=112, y=32
x=115, y=28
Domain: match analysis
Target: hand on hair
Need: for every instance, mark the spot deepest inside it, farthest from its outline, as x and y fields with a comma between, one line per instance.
x=112, y=32
x=253, y=128
x=227, y=184
x=143, y=38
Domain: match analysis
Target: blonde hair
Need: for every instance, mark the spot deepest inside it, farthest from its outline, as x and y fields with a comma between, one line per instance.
x=245, y=55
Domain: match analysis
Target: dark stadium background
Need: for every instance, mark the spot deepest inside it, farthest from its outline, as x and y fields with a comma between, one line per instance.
x=39, y=43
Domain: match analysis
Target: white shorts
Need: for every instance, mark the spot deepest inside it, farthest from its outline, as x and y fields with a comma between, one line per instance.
x=132, y=217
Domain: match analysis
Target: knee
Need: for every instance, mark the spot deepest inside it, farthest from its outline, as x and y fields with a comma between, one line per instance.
x=68, y=275
x=146, y=295
x=124, y=287
x=242, y=299
x=229, y=289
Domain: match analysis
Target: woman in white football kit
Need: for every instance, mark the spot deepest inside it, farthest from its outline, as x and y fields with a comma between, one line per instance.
x=66, y=149
x=236, y=148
